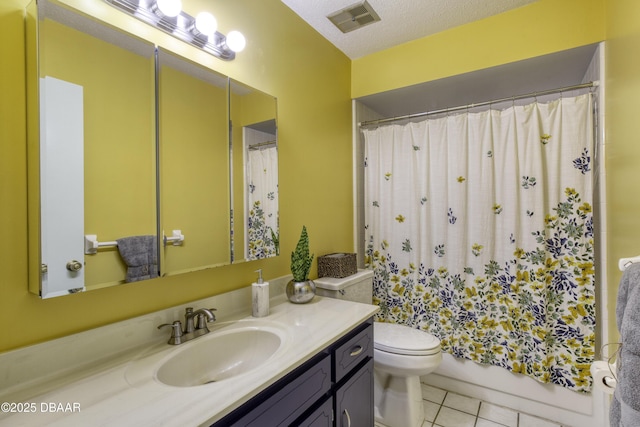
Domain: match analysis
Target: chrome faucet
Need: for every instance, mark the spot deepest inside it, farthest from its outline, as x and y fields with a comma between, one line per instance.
x=200, y=314
x=192, y=329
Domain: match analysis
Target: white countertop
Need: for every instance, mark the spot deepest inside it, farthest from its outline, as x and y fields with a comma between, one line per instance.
x=120, y=391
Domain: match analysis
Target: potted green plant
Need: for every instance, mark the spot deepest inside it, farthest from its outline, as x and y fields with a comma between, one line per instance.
x=300, y=289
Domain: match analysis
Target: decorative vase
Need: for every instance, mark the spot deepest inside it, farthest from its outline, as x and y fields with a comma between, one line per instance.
x=300, y=292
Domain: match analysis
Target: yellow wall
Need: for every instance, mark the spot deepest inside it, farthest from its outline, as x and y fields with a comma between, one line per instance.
x=312, y=82
x=540, y=28
x=289, y=60
x=622, y=141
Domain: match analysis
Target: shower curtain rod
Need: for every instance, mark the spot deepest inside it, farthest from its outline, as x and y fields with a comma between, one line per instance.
x=480, y=104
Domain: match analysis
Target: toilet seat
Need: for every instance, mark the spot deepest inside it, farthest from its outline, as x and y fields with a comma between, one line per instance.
x=401, y=339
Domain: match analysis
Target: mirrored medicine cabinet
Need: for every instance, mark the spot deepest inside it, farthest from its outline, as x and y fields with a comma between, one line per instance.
x=139, y=160
x=254, y=163
x=194, y=163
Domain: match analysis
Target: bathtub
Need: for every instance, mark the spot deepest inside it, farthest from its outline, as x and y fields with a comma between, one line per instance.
x=524, y=394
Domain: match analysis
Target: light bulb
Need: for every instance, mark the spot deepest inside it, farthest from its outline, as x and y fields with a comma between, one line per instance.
x=236, y=41
x=206, y=24
x=169, y=8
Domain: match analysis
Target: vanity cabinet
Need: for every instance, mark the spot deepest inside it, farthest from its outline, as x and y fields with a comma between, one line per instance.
x=354, y=399
x=321, y=417
x=333, y=388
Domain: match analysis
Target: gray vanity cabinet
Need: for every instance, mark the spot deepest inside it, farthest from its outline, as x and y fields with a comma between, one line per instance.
x=353, y=379
x=321, y=417
x=353, y=400
x=333, y=388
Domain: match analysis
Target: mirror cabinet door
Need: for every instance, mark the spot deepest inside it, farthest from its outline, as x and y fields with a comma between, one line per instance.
x=92, y=153
x=194, y=164
x=134, y=170
x=255, y=173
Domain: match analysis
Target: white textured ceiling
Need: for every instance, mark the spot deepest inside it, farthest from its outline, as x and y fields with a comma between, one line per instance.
x=401, y=20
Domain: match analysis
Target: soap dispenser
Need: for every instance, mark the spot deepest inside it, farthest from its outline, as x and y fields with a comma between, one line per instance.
x=260, y=297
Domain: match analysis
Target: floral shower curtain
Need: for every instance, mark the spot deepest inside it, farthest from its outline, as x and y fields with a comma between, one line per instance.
x=262, y=226
x=479, y=230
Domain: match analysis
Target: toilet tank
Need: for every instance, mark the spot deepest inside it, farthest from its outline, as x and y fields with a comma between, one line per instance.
x=357, y=287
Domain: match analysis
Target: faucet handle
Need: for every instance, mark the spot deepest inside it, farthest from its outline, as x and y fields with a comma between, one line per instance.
x=201, y=324
x=203, y=319
x=176, y=332
x=188, y=320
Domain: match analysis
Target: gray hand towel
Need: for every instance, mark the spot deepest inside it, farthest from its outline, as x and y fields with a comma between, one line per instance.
x=615, y=412
x=627, y=394
x=628, y=320
x=140, y=253
x=625, y=408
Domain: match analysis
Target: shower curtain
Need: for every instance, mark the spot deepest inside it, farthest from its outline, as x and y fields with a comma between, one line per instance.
x=479, y=229
x=262, y=221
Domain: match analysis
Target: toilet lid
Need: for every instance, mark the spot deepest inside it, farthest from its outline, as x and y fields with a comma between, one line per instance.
x=401, y=339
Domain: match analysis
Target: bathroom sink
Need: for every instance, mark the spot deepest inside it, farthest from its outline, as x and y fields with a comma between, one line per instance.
x=220, y=355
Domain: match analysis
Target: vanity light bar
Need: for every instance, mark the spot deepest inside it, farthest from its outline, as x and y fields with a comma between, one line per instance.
x=179, y=26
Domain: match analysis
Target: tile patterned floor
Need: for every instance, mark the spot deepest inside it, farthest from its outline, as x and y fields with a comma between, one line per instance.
x=447, y=409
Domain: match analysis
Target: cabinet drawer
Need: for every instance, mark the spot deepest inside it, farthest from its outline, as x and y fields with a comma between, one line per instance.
x=283, y=406
x=352, y=352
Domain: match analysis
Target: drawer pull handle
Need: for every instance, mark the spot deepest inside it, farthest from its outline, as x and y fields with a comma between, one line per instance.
x=356, y=351
x=344, y=411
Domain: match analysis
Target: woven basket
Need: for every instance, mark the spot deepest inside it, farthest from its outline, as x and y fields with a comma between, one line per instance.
x=337, y=265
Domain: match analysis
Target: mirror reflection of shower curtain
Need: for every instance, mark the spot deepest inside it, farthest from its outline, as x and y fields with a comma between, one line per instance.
x=262, y=220
x=479, y=228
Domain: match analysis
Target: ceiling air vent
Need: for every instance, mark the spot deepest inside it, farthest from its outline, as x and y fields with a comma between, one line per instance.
x=353, y=17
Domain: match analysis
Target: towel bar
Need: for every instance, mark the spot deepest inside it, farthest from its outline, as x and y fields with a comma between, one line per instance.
x=91, y=244
x=175, y=239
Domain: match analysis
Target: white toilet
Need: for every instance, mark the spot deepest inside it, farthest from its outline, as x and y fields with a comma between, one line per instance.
x=401, y=355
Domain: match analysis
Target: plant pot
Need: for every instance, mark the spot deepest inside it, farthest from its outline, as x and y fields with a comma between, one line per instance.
x=300, y=292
